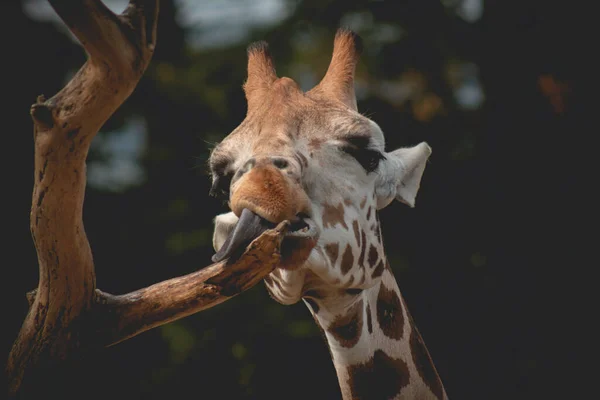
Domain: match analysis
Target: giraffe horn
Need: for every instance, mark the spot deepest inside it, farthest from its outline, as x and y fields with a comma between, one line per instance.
x=261, y=73
x=338, y=82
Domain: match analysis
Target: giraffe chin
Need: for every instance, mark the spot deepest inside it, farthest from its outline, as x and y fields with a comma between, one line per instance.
x=299, y=240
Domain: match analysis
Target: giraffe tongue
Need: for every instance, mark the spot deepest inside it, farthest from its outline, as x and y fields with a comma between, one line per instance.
x=248, y=228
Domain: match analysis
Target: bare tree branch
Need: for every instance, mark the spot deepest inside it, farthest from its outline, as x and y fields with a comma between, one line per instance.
x=103, y=34
x=120, y=317
x=124, y=316
x=96, y=27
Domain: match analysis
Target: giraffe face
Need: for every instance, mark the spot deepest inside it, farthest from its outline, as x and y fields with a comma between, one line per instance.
x=312, y=159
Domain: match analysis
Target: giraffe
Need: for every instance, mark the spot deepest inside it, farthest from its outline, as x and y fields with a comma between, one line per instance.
x=312, y=159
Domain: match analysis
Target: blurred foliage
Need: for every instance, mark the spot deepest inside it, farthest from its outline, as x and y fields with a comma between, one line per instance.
x=488, y=92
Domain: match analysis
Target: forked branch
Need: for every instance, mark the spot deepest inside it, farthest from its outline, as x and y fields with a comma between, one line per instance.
x=67, y=311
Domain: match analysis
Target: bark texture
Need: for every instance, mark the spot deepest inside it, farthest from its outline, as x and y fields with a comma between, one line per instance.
x=67, y=311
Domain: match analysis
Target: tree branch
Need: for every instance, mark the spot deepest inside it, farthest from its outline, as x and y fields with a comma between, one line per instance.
x=102, y=33
x=96, y=27
x=122, y=317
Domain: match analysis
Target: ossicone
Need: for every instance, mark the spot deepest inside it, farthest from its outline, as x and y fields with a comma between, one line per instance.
x=338, y=82
x=261, y=73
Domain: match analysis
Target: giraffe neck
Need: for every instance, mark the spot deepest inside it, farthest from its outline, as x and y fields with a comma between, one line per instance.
x=376, y=348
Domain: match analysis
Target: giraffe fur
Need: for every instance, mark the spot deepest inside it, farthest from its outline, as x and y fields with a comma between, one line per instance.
x=312, y=158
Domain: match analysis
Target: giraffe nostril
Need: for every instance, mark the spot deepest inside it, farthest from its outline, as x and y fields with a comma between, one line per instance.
x=280, y=163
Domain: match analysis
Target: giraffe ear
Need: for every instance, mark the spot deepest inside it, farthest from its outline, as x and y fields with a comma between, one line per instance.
x=399, y=175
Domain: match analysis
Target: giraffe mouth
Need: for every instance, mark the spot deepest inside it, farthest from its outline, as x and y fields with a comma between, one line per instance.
x=302, y=227
x=251, y=225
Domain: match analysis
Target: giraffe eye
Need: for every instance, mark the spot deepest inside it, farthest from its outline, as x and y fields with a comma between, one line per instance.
x=357, y=147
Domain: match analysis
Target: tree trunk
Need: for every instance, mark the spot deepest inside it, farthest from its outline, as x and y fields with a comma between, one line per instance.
x=67, y=313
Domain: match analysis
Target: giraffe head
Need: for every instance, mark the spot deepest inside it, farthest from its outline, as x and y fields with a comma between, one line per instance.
x=313, y=159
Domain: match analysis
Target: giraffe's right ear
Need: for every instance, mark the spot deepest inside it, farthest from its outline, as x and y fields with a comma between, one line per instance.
x=399, y=175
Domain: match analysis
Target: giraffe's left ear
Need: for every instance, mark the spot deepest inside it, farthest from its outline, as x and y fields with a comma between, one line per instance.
x=399, y=175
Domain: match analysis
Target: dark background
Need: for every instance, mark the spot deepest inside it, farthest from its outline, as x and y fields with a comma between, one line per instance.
x=490, y=261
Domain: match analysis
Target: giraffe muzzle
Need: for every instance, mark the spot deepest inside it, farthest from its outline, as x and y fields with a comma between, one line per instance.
x=263, y=197
x=266, y=191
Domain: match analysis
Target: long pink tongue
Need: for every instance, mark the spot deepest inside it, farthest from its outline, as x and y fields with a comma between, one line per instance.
x=248, y=228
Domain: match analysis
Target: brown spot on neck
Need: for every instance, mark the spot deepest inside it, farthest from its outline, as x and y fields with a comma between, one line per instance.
x=389, y=313
x=373, y=255
x=381, y=378
x=356, y=232
x=347, y=328
x=347, y=260
x=332, y=250
x=333, y=215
